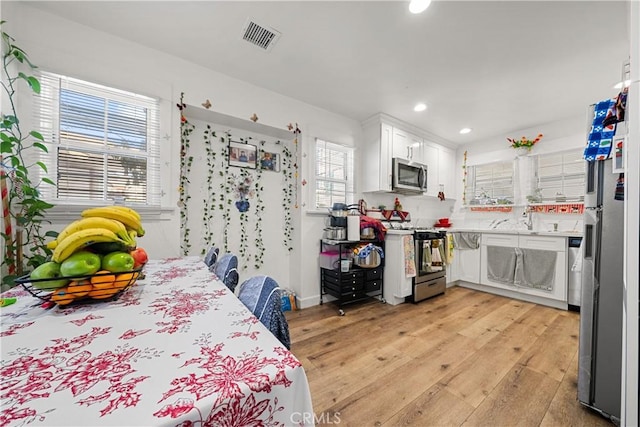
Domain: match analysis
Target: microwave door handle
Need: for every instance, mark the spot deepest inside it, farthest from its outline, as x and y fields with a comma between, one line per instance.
x=423, y=181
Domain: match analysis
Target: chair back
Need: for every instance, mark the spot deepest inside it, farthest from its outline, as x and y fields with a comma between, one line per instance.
x=227, y=270
x=261, y=295
x=211, y=257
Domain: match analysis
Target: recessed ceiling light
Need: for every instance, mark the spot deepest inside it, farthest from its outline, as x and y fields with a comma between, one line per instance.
x=419, y=6
x=420, y=107
x=465, y=130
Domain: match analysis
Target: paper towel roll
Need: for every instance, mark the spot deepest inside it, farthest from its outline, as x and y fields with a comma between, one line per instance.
x=353, y=227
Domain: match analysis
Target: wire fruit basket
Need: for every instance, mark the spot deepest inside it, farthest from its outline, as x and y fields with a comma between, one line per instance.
x=98, y=287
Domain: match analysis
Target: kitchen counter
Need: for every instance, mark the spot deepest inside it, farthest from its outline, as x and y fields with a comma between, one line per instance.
x=399, y=232
x=517, y=232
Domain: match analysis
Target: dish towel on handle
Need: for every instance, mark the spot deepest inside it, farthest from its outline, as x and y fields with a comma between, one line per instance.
x=409, y=256
x=601, y=135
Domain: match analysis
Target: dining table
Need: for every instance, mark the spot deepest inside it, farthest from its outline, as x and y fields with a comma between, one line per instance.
x=177, y=348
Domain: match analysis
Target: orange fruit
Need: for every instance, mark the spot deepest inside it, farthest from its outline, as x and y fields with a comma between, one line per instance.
x=123, y=280
x=62, y=296
x=79, y=288
x=103, y=293
x=103, y=279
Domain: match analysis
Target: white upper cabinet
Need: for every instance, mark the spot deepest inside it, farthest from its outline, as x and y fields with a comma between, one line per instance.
x=376, y=157
x=403, y=147
x=447, y=172
x=385, y=139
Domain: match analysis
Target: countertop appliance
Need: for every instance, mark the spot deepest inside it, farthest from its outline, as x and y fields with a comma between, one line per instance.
x=574, y=282
x=600, y=349
x=408, y=176
x=431, y=269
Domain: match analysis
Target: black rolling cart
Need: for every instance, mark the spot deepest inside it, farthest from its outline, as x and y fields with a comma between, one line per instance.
x=359, y=283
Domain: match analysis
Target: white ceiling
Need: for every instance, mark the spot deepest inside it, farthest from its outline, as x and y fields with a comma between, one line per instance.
x=496, y=67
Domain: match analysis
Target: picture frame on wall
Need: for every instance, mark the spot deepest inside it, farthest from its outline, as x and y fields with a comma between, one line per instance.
x=270, y=161
x=618, y=154
x=242, y=155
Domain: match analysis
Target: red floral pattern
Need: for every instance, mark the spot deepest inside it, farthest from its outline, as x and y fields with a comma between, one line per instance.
x=112, y=364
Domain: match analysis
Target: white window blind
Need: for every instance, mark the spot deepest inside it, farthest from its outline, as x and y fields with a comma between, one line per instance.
x=103, y=142
x=490, y=183
x=561, y=175
x=334, y=174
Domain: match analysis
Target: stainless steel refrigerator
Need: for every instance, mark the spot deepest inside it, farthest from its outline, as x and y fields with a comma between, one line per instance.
x=600, y=350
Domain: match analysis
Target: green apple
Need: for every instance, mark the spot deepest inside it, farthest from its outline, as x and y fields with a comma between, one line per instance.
x=80, y=263
x=48, y=270
x=118, y=262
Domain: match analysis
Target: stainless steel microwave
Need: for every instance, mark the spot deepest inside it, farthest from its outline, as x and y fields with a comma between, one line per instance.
x=409, y=177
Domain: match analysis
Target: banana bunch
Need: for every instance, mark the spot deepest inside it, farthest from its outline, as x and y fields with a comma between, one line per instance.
x=112, y=224
x=81, y=239
x=129, y=217
x=116, y=227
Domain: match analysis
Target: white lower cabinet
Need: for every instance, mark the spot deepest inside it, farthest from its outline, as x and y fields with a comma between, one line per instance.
x=502, y=254
x=467, y=264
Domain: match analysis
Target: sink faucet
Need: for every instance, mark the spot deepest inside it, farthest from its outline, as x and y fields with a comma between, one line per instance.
x=529, y=221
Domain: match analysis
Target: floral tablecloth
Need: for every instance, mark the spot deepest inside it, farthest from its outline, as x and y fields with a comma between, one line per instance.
x=176, y=349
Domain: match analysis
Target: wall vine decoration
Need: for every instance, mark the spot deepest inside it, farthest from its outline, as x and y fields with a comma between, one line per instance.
x=210, y=199
x=287, y=195
x=225, y=189
x=186, y=162
x=258, y=256
x=240, y=232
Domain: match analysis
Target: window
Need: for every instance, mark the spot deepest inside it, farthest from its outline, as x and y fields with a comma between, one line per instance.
x=490, y=184
x=334, y=174
x=103, y=142
x=560, y=176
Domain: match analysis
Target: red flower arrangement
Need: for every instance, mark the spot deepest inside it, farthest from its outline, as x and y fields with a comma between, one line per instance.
x=524, y=142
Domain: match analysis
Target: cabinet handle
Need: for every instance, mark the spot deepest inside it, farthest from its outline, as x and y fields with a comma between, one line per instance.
x=408, y=152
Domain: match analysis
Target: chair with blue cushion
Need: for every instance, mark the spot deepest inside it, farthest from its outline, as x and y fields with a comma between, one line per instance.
x=261, y=295
x=227, y=270
x=211, y=257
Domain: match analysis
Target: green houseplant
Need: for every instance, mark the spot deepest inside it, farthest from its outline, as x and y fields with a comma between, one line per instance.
x=23, y=211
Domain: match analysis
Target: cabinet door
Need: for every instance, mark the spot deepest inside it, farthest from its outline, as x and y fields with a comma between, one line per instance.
x=430, y=158
x=386, y=162
x=468, y=265
x=446, y=171
x=401, y=144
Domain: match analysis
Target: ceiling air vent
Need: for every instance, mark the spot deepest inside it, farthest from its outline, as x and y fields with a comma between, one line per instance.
x=262, y=36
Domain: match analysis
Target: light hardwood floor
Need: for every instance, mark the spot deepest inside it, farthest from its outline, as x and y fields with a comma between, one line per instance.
x=463, y=358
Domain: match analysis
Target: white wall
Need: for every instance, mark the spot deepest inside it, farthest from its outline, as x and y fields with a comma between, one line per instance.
x=62, y=46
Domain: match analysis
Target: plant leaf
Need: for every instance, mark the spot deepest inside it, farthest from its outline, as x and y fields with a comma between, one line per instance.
x=48, y=181
x=34, y=83
x=6, y=147
x=36, y=135
x=41, y=146
x=43, y=166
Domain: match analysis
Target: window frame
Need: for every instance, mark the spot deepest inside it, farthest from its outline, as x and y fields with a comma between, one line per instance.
x=562, y=176
x=47, y=118
x=349, y=180
x=471, y=189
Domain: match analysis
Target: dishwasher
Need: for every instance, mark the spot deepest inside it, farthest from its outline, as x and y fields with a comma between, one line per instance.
x=574, y=275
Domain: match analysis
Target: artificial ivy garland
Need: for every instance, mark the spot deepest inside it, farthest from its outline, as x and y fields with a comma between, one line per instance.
x=210, y=199
x=186, y=161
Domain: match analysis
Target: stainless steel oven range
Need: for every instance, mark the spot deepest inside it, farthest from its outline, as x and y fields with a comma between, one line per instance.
x=431, y=269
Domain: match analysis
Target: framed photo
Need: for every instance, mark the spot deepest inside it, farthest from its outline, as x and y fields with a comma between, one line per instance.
x=618, y=154
x=270, y=161
x=242, y=155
